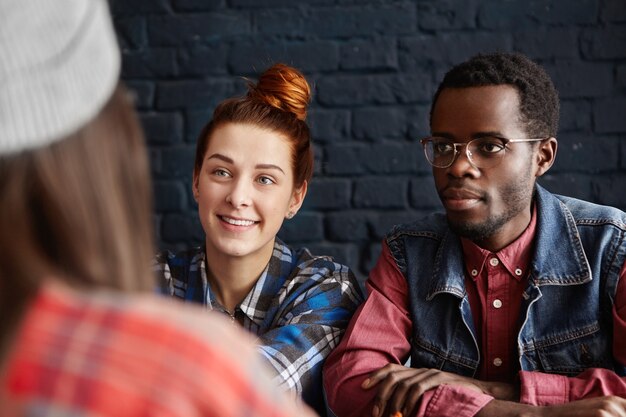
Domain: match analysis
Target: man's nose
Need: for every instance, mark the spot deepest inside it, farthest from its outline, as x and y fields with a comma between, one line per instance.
x=462, y=165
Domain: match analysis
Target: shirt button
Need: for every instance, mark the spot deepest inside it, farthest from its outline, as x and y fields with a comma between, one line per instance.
x=497, y=303
x=494, y=261
x=518, y=272
x=497, y=362
x=474, y=272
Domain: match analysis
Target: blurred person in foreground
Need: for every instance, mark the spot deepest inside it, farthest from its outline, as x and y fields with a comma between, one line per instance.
x=80, y=332
x=511, y=303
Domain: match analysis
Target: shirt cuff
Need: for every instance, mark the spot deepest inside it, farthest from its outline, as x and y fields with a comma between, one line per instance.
x=537, y=388
x=456, y=401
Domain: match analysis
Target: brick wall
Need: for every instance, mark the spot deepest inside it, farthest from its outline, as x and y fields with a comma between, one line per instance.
x=374, y=65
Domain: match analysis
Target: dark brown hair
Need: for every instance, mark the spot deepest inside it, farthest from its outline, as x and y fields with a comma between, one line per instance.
x=78, y=210
x=277, y=102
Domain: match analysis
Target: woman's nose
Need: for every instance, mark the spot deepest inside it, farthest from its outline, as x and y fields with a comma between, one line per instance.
x=239, y=194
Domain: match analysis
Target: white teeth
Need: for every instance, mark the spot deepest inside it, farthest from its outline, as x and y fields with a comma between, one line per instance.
x=238, y=222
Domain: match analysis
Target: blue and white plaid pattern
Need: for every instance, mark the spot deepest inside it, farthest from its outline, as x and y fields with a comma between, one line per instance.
x=299, y=308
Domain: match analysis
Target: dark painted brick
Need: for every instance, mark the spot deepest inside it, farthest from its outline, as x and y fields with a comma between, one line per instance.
x=418, y=121
x=192, y=28
x=187, y=182
x=156, y=227
x=131, y=32
x=613, y=11
x=193, y=94
x=447, y=14
x=610, y=115
x=380, y=193
x=388, y=219
x=423, y=193
x=608, y=190
x=621, y=76
x=177, y=162
x=254, y=57
x=318, y=156
x=446, y=49
x=374, y=89
x=575, y=116
x=604, y=43
x=304, y=227
x=201, y=60
x=274, y=3
x=328, y=194
x=348, y=226
x=156, y=161
x=378, y=123
x=285, y=22
x=581, y=79
x=149, y=63
x=142, y=93
x=571, y=185
x=586, y=153
x=372, y=54
x=547, y=43
x=362, y=20
x=329, y=125
x=138, y=7
x=390, y=158
x=423, y=166
x=352, y=2
x=195, y=121
x=357, y=54
x=198, y=5
x=371, y=256
x=344, y=160
x=162, y=128
x=182, y=228
x=517, y=14
x=169, y=196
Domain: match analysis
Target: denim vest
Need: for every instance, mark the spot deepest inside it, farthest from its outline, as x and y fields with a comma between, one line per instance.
x=565, y=320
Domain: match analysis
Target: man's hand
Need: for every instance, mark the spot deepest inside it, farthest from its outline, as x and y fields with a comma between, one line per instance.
x=400, y=388
x=610, y=406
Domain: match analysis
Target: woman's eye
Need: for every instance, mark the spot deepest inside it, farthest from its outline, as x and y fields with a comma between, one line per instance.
x=221, y=173
x=265, y=180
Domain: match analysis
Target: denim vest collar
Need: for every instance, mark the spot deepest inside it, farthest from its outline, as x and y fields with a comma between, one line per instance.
x=556, y=238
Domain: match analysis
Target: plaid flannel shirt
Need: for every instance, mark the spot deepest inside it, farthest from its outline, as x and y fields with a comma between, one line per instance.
x=108, y=354
x=299, y=308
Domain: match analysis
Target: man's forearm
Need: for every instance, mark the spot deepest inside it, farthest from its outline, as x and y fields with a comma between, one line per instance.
x=607, y=406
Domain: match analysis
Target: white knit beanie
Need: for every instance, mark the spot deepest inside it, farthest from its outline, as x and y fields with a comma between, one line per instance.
x=59, y=65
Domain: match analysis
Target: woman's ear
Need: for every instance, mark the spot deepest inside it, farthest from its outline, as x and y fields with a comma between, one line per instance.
x=546, y=154
x=194, y=185
x=297, y=198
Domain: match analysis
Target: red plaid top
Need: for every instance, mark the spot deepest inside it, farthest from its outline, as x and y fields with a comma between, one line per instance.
x=108, y=354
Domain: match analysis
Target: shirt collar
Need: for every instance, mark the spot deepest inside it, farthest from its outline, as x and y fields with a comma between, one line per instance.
x=257, y=302
x=515, y=257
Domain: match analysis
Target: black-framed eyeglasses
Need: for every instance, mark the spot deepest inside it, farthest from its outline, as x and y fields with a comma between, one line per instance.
x=483, y=152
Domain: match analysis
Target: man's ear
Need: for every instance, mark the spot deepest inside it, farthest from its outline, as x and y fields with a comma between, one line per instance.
x=546, y=154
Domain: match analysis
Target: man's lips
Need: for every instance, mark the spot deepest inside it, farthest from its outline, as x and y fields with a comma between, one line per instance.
x=460, y=194
x=458, y=199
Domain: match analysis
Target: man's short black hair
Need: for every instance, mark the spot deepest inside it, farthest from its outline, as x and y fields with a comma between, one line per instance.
x=539, y=100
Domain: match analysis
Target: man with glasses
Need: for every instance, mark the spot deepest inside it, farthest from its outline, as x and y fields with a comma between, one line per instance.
x=513, y=302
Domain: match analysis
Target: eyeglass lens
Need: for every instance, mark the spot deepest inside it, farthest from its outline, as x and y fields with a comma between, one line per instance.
x=482, y=152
